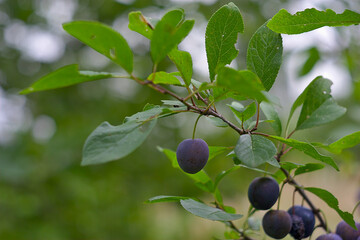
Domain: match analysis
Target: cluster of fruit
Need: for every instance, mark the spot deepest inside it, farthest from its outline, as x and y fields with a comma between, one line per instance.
x=299, y=221
x=263, y=193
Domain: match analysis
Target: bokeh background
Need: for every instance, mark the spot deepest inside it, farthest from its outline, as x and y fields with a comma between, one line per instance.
x=46, y=194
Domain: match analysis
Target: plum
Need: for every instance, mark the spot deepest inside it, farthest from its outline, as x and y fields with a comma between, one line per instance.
x=297, y=229
x=306, y=215
x=192, y=155
x=329, y=236
x=346, y=232
x=263, y=193
x=277, y=223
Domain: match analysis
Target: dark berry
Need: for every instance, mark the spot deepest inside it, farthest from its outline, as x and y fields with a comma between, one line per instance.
x=329, y=236
x=192, y=155
x=307, y=216
x=276, y=223
x=297, y=229
x=346, y=232
x=263, y=193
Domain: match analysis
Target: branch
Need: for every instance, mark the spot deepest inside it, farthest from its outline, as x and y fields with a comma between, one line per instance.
x=210, y=111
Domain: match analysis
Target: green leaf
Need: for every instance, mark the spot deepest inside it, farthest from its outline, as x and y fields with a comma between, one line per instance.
x=173, y=103
x=231, y=234
x=309, y=167
x=107, y=143
x=202, y=210
x=254, y=169
x=103, y=39
x=168, y=33
x=307, y=149
x=332, y=202
x=318, y=105
x=271, y=114
x=264, y=55
x=217, y=122
x=215, y=151
x=221, y=175
x=254, y=150
x=163, y=198
x=138, y=23
x=201, y=178
x=243, y=113
x=244, y=82
x=312, y=59
x=183, y=62
x=348, y=141
x=182, y=59
x=163, y=78
x=65, y=76
x=327, y=112
x=220, y=37
x=290, y=166
x=310, y=19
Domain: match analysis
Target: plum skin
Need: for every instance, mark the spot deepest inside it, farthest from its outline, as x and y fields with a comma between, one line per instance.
x=277, y=223
x=192, y=155
x=263, y=193
x=329, y=236
x=346, y=232
x=298, y=228
x=306, y=215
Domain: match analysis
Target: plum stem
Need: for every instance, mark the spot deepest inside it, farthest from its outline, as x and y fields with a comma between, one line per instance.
x=356, y=206
x=196, y=122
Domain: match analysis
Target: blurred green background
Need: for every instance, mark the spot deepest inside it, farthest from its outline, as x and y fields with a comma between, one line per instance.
x=46, y=194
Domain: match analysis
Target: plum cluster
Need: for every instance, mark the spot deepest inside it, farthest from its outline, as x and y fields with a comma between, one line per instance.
x=298, y=221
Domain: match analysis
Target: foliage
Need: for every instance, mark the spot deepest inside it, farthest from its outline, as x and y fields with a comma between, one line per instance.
x=253, y=150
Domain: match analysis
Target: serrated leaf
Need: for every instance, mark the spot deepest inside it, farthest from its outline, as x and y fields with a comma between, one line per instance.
x=183, y=62
x=332, y=202
x=163, y=198
x=163, y=78
x=107, y=143
x=312, y=58
x=264, y=55
x=220, y=37
x=202, y=210
x=271, y=114
x=307, y=149
x=103, y=39
x=309, y=167
x=318, y=105
x=202, y=180
x=244, y=113
x=254, y=150
x=244, y=82
x=310, y=19
x=168, y=33
x=64, y=77
x=138, y=23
